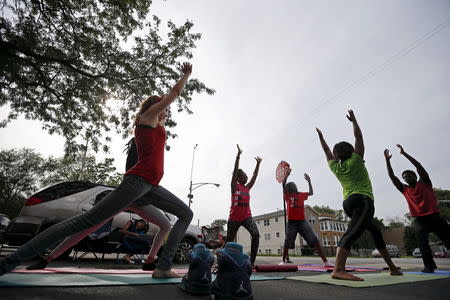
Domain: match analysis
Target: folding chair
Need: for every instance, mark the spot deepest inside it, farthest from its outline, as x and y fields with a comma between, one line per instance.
x=128, y=246
x=94, y=243
x=135, y=246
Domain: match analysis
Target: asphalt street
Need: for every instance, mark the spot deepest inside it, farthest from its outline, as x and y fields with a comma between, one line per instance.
x=276, y=289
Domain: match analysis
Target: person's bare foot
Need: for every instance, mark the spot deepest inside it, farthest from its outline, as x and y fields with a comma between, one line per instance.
x=345, y=276
x=396, y=272
x=158, y=273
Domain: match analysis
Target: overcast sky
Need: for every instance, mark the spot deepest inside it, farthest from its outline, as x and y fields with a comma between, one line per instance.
x=273, y=64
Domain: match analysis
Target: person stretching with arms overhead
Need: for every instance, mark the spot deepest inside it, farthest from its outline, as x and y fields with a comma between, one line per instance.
x=139, y=186
x=423, y=207
x=347, y=164
x=240, y=213
x=296, y=219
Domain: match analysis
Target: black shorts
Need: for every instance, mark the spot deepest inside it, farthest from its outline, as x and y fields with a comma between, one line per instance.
x=360, y=209
x=301, y=227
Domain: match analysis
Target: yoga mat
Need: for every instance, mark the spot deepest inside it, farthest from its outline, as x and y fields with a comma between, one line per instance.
x=370, y=280
x=321, y=268
x=441, y=273
x=72, y=270
x=276, y=268
x=14, y=279
x=348, y=266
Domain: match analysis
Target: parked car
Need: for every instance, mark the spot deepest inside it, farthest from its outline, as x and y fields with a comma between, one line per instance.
x=416, y=253
x=441, y=252
x=392, y=250
x=438, y=251
x=60, y=201
x=4, y=222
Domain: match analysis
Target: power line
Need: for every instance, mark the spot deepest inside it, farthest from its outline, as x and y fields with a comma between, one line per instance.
x=422, y=39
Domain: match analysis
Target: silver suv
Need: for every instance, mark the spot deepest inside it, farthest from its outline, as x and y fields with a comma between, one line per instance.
x=60, y=201
x=392, y=250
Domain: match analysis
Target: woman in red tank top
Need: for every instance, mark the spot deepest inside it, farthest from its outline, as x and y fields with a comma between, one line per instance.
x=139, y=187
x=240, y=213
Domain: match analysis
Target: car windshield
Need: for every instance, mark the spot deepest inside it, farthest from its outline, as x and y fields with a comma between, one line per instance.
x=65, y=189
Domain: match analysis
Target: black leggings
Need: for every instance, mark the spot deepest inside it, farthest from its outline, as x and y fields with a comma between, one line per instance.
x=423, y=226
x=360, y=209
x=250, y=225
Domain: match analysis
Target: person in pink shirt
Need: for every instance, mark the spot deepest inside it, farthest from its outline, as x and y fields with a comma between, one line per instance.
x=423, y=207
x=240, y=213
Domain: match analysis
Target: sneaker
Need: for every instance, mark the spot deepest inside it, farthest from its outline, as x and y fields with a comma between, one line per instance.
x=39, y=265
x=428, y=269
x=197, y=281
x=149, y=267
x=285, y=263
x=233, y=274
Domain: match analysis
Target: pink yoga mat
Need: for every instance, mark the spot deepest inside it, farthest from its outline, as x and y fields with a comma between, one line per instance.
x=91, y=271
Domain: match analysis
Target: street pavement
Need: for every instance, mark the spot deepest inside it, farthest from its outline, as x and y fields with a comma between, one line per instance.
x=276, y=289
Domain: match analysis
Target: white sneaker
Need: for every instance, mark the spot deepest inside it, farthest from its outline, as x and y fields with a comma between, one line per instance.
x=328, y=265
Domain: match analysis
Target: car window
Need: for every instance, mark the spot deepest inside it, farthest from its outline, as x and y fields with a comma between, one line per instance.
x=102, y=195
x=65, y=189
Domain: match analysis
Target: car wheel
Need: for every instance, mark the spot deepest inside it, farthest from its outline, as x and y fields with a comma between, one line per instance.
x=183, y=251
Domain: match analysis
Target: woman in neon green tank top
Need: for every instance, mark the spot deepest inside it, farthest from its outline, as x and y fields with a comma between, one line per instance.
x=347, y=163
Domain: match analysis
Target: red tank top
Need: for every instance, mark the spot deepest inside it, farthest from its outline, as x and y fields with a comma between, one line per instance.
x=240, y=204
x=150, y=143
x=296, y=205
x=421, y=199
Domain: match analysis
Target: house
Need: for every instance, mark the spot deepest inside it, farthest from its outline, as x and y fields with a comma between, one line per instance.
x=331, y=231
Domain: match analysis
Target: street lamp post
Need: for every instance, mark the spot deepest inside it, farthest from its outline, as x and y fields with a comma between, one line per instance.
x=196, y=185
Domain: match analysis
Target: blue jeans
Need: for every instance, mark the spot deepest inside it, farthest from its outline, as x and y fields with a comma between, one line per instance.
x=130, y=189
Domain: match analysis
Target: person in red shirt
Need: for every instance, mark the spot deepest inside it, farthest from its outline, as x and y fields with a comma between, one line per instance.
x=296, y=219
x=139, y=187
x=423, y=207
x=240, y=213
